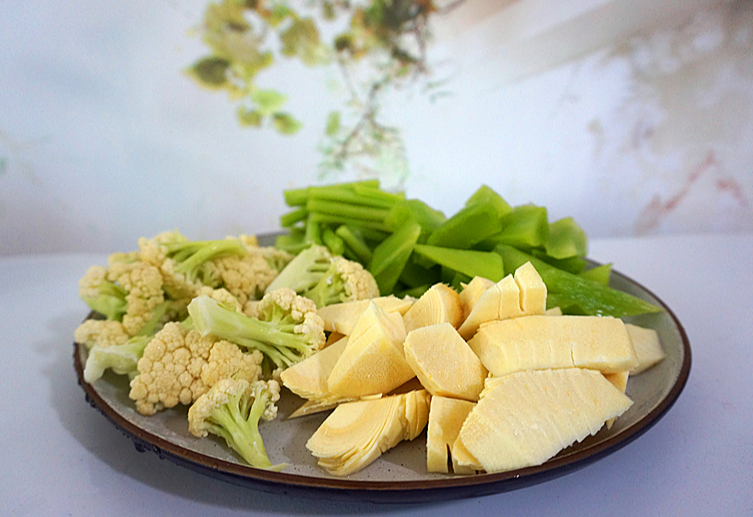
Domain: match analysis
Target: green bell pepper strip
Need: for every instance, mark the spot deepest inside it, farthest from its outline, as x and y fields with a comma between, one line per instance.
x=487, y=195
x=414, y=210
x=415, y=275
x=572, y=265
x=391, y=255
x=468, y=262
x=524, y=227
x=599, y=274
x=592, y=297
x=566, y=239
x=472, y=224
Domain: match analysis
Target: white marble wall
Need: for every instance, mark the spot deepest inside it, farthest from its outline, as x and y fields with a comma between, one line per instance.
x=646, y=129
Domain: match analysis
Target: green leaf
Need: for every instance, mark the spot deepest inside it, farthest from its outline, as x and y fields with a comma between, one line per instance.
x=210, y=71
x=333, y=123
x=248, y=117
x=286, y=124
x=268, y=102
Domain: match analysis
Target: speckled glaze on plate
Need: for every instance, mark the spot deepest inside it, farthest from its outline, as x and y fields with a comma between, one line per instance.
x=400, y=474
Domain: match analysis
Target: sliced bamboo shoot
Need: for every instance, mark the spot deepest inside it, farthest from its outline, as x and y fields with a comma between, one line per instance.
x=540, y=342
x=444, y=363
x=439, y=304
x=528, y=417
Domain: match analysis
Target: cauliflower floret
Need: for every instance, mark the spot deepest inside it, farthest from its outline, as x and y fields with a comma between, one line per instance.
x=232, y=410
x=345, y=281
x=88, y=285
x=221, y=295
x=143, y=282
x=227, y=361
x=249, y=276
x=170, y=369
x=284, y=304
x=287, y=328
x=101, y=333
x=179, y=365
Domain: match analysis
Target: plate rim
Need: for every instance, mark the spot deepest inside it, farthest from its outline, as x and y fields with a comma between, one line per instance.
x=450, y=487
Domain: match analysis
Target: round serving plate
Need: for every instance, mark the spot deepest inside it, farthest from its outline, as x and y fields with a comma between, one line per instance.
x=400, y=474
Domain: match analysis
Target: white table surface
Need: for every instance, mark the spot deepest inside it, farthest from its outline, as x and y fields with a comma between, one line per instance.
x=61, y=457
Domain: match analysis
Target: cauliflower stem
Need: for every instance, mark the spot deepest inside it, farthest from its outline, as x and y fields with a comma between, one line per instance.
x=232, y=410
x=287, y=331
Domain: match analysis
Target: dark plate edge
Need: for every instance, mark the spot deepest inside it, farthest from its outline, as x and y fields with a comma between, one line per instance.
x=392, y=491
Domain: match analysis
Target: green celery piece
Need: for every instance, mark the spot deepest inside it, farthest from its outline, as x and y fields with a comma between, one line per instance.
x=334, y=243
x=340, y=219
x=414, y=210
x=415, y=275
x=313, y=230
x=572, y=265
x=594, y=298
x=391, y=255
x=376, y=195
x=372, y=236
x=469, y=262
x=566, y=239
x=472, y=224
x=294, y=216
x=599, y=274
x=354, y=243
x=524, y=227
x=486, y=194
x=335, y=208
x=297, y=197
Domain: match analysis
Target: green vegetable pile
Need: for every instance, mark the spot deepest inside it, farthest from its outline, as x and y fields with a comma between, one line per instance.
x=409, y=246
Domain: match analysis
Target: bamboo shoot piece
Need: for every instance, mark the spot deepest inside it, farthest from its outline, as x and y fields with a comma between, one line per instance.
x=444, y=363
x=528, y=417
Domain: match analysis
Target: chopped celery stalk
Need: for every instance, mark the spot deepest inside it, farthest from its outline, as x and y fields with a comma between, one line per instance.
x=572, y=265
x=592, y=297
x=339, y=219
x=599, y=274
x=487, y=195
x=354, y=243
x=524, y=227
x=472, y=224
x=334, y=243
x=372, y=235
x=469, y=262
x=389, y=257
x=366, y=213
x=414, y=275
x=418, y=211
x=566, y=239
x=291, y=243
x=313, y=230
x=289, y=219
x=345, y=195
x=297, y=197
x=374, y=194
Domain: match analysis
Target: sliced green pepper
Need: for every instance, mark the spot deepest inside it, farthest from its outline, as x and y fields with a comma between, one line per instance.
x=594, y=298
x=566, y=239
x=469, y=262
x=390, y=256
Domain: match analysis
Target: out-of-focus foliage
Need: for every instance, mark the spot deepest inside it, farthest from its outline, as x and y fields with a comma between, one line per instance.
x=381, y=47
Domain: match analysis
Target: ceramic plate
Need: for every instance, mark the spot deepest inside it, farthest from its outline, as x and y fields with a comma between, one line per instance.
x=400, y=474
